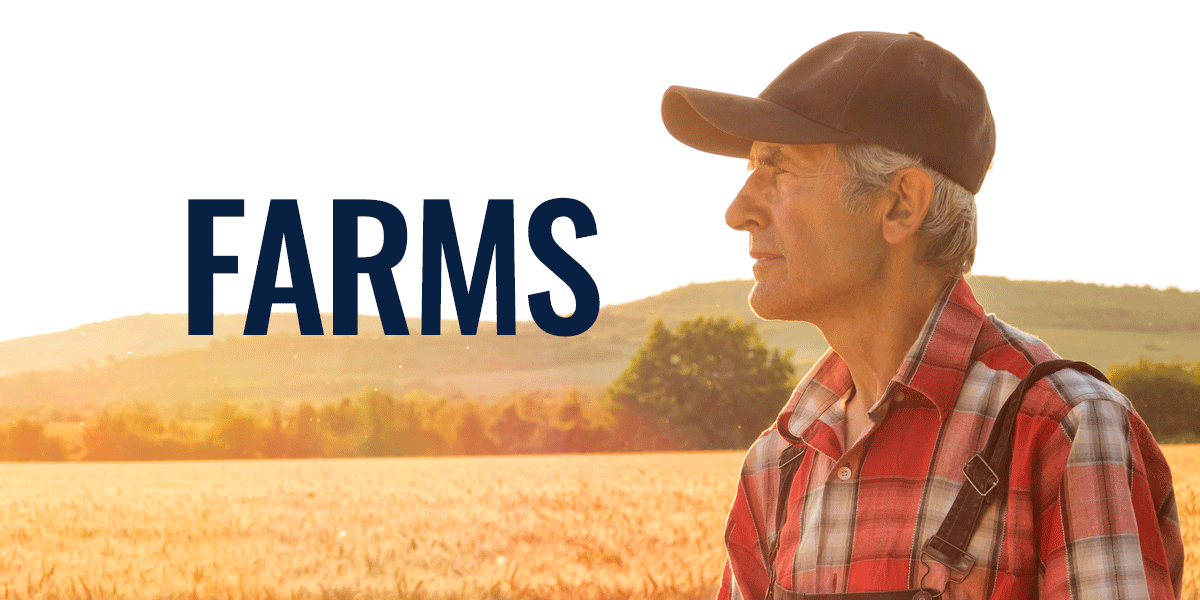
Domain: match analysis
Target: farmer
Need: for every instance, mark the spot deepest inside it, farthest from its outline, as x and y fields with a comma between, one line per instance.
x=866, y=153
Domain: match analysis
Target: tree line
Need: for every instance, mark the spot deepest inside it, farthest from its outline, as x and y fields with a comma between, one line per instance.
x=372, y=423
x=1165, y=394
x=709, y=383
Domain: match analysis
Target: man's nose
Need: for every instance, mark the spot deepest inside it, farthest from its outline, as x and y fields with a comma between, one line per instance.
x=745, y=212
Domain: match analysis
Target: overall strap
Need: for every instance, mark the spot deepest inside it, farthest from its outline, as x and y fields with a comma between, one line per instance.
x=987, y=474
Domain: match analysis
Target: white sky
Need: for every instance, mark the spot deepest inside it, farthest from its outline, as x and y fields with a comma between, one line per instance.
x=114, y=114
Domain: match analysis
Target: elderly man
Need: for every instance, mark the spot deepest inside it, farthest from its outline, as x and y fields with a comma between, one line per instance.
x=893, y=469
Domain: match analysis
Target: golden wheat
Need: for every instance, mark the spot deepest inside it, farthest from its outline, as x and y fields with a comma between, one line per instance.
x=546, y=526
x=1185, y=475
x=587, y=526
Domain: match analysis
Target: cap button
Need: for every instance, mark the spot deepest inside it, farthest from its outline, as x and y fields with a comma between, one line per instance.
x=916, y=34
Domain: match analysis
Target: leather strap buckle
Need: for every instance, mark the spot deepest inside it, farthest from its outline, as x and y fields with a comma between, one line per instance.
x=980, y=475
x=956, y=559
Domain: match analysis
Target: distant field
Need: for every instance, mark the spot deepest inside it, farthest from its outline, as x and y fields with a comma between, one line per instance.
x=1106, y=348
x=584, y=526
x=150, y=358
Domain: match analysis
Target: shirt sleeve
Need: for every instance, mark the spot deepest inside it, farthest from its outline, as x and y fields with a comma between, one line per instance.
x=751, y=527
x=745, y=573
x=729, y=589
x=1112, y=531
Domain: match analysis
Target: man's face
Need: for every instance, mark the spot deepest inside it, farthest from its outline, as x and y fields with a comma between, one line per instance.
x=812, y=256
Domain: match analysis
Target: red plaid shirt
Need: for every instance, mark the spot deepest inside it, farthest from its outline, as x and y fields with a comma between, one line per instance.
x=1089, y=512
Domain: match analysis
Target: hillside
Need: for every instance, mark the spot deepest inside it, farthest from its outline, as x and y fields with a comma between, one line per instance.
x=150, y=357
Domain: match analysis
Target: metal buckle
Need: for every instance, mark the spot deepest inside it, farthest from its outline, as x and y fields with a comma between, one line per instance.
x=937, y=554
x=972, y=465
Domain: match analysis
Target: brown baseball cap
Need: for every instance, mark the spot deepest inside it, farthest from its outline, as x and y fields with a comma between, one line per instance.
x=899, y=91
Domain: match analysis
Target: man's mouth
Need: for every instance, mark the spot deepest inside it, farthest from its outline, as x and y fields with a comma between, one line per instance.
x=763, y=260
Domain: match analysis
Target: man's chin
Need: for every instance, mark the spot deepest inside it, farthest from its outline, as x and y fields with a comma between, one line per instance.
x=769, y=306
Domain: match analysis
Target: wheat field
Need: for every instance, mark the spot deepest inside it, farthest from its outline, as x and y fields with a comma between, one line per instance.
x=1185, y=473
x=582, y=526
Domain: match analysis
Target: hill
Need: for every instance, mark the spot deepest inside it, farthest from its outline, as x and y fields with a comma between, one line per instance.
x=151, y=358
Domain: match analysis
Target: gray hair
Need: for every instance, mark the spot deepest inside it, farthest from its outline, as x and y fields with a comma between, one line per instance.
x=950, y=224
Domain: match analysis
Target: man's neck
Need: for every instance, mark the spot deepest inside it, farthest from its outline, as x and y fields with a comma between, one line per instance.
x=874, y=331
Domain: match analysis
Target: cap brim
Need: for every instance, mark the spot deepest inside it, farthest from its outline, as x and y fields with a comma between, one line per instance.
x=727, y=124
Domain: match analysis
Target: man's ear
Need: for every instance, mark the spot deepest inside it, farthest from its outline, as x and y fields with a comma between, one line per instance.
x=908, y=198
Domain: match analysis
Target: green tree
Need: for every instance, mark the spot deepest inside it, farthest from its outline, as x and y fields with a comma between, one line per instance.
x=235, y=433
x=711, y=383
x=130, y=432
x=394, y=427
x=1166, y=395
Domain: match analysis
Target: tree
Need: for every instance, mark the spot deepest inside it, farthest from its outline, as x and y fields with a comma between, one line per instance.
x=131, y=432
x=711, y=383
x=471, y=436
x=1166, y=395
x=396, y=427
x=27, y=440
x=513, y=433
x=304, y=433
x=235, y=433
x=275, y=440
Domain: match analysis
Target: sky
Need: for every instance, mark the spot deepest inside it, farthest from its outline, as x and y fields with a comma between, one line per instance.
x=115, y=114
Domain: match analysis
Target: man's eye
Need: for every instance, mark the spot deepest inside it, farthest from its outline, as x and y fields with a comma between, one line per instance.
x=774, y=169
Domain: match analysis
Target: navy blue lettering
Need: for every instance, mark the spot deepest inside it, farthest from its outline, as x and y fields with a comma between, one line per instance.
x=347, y=264
x=496, y=238
x=283, y=227
x=541, y=241
x=202, y=265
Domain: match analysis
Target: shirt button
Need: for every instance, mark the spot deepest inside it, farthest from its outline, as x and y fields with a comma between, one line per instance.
x=845, y=473
x=899, y=396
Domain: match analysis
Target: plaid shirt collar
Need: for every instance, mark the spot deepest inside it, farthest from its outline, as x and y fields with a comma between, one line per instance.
x=933, y=371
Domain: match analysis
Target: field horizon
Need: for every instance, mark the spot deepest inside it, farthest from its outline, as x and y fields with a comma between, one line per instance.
x=151, y=358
